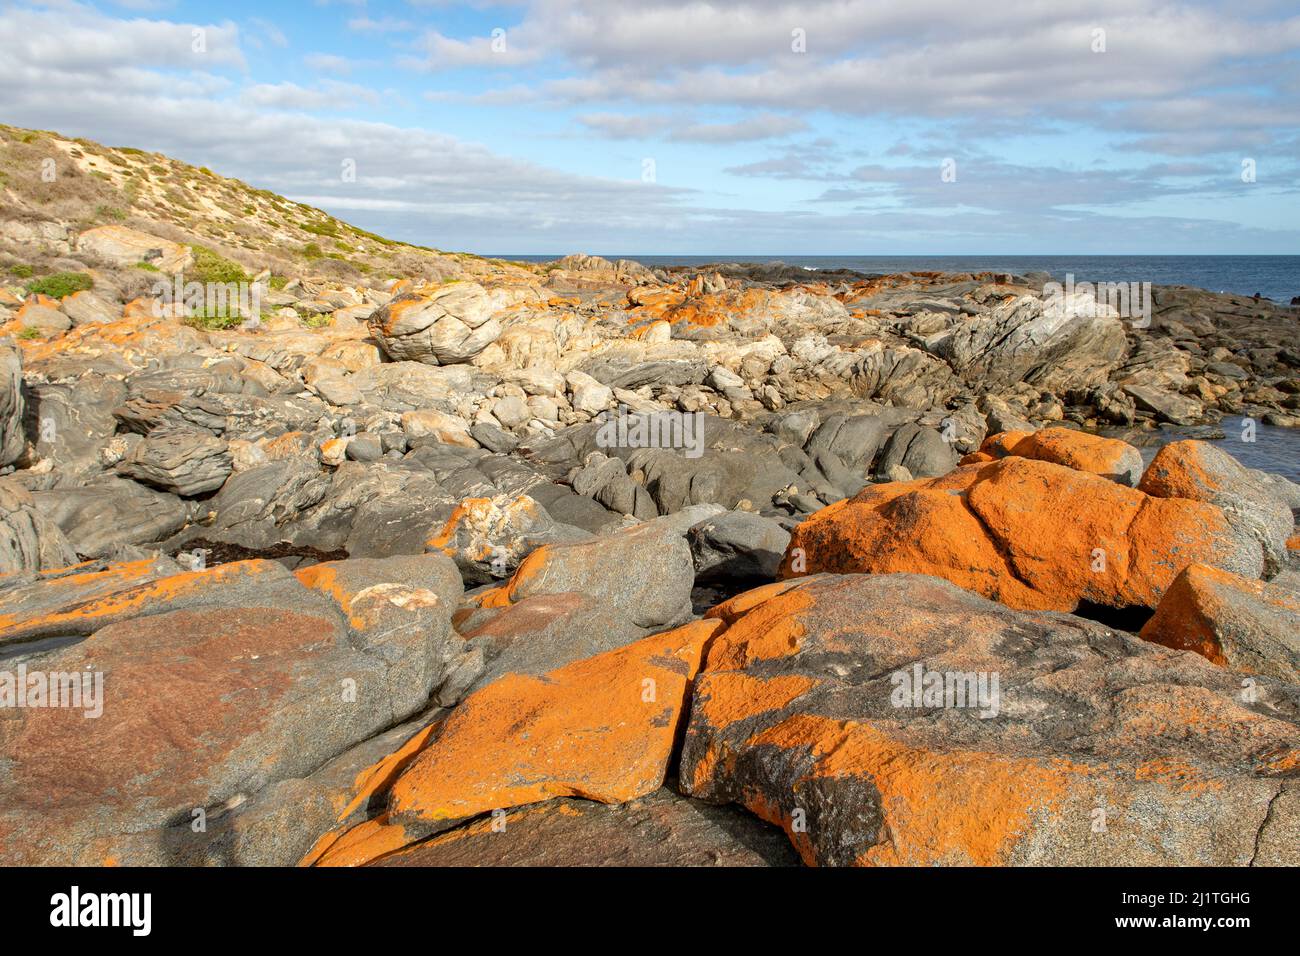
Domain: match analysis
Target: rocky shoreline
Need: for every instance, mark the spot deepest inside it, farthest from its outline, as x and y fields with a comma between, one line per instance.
x=589, y=563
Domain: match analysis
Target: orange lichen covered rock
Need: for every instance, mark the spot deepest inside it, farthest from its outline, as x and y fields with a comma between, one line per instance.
x=1246, y=625
x=602, y=728
x=899, y=720
x=1197, y=471
x=1028, y=533
x=1108, y=457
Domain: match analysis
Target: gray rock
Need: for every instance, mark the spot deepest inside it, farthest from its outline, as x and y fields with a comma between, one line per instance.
x=184, y=462
x=29, y=541
x=12, y=440
x=737, y=546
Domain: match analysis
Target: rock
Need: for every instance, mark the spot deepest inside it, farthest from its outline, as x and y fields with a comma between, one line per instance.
x=1248, y=626
x=29, y=541
x=441, y=325
x=602, y=729
x=184, y=462
x=737, y=546
x=1108, y=457
x=1198, y=471
x=542, y=633
x=1025, y=339
x=100, y=518
x=511, y=411
x=261, y=682
x=493, y=439
x=1028, y=533
x=86, y=308
x=12, y=408
x=489, y=537
x=661, y=829
x=646, y=572
x=922, y=451
x=1167, y=406
x=46, y=320
x=429, y=425
x=809, y=712
x=127, y=247
x=588, y=395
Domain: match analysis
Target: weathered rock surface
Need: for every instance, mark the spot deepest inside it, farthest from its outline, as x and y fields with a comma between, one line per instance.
x=1031, y=534
x=661, y=829
x=439, y=326
x=602, y=729
x=12, y=440
x=1096, y=749
x=184, y=462
x=262, y=683
x=1200, y=472
x=1248, y=626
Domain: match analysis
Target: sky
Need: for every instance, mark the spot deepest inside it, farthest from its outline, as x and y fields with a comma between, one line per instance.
x=678, y=127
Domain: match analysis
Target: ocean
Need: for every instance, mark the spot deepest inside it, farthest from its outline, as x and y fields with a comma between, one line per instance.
x=1274, y=277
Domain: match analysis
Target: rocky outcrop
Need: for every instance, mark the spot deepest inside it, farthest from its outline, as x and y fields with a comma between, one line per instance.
x=1196, y=471
x=186, y=462
x=1028, y=533
x=602, y=729
x=899, y=720
x=12, y=440
x=438, y=326
x=1247, y=626
x=253, y=677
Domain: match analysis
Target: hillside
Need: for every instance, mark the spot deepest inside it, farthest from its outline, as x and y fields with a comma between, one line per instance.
x=53, y=188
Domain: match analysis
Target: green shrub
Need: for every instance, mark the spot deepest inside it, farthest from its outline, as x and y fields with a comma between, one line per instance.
x=312, y=251
x=320, y=228
x=317, y=321
x=61, y=284
x=30, y=332
x=22, y=271
x=112, y=213
x=209, y=266
x=214, y=321
x=147, y=266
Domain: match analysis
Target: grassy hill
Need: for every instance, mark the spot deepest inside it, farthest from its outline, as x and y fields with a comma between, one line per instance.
x=53, y=187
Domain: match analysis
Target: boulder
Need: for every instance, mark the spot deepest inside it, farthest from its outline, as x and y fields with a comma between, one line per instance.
x=1248, y=626
x=899, y=720
x=1198, y=471
x=737, y=546
x=1109, y=457
x=601, y=729
x=100, y=518
x=205, y=701
x=1031, y=534
x=186, y=462
x=646, y=572
x=488, y=537
x=442, y=325
x=539, y=634
x=29, y=541
x=12, y=440
x=921, y=450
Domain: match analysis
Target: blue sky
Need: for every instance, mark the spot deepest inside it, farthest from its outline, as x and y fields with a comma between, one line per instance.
x=759, y=128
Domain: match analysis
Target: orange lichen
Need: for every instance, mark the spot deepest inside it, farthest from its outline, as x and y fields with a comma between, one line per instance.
x=601, y=728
